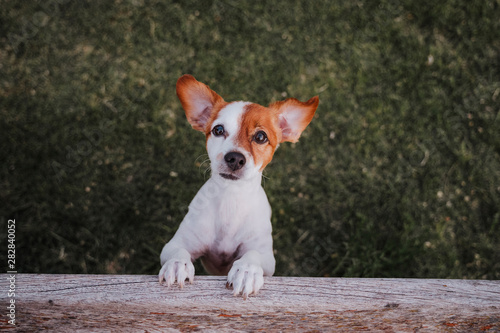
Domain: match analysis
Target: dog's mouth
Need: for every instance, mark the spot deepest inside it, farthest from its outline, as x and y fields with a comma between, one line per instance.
x=228, y=176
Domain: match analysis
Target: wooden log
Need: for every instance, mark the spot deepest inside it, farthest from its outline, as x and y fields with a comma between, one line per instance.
x=138, y=303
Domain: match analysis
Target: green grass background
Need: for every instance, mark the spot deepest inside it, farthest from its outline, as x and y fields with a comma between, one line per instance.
x=398, y=174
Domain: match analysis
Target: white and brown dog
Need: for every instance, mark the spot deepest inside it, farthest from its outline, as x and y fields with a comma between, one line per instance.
x=228, y=223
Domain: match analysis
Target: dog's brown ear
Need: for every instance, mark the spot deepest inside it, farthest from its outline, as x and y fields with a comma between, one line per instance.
x=198, y=101
x=294, y=116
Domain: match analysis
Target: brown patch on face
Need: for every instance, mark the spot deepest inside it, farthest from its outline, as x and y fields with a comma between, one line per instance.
x=254, y=119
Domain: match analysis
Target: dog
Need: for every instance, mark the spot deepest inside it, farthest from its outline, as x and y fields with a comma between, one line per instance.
x=228, y=224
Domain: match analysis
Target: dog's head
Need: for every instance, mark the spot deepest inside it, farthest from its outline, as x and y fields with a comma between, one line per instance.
x=241, y=136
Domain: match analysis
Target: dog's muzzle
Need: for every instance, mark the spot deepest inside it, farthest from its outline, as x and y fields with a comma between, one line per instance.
x=234, y=162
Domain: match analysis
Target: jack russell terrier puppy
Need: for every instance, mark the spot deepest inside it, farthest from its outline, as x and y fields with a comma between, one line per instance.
x=228, y=223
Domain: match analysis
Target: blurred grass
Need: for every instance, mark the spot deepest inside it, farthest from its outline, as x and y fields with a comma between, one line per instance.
x=397, y=176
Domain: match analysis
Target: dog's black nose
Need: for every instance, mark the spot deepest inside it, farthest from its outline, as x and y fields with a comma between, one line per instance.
x=234, y=160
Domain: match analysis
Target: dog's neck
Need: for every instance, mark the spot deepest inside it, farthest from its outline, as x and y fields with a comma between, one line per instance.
x=226, y=197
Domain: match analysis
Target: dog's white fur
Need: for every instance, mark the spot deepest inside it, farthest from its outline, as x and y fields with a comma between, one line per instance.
x=228, y=223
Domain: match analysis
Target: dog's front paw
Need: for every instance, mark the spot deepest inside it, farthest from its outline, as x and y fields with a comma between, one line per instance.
x=176, y=270
x=245, y=278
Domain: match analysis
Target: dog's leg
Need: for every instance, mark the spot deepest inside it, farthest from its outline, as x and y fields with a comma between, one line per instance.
x=176, y=265
x=247, y=274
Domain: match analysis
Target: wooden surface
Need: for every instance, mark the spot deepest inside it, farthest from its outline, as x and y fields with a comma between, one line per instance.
x=137, y=303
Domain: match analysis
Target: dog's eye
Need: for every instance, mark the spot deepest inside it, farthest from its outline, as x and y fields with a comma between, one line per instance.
x=218, y=130
x=260, y=137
